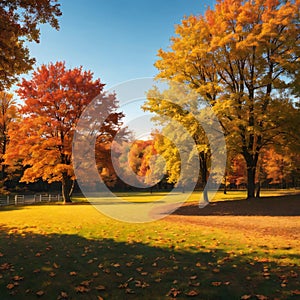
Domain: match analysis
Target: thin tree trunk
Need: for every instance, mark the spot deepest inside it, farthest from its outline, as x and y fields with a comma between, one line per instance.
x=225, y=186
x=257, y=195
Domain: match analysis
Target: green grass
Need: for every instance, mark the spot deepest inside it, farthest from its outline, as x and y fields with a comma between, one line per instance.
x=74, y=250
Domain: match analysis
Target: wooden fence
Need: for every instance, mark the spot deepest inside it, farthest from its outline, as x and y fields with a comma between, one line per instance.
x=29, y=199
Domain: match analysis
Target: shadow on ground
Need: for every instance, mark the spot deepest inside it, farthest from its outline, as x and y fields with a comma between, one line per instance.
x=265, y=206
x=60, y=266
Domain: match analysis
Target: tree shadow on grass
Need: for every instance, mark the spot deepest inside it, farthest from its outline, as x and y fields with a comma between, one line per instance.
x=265, y=206
x=73, y=267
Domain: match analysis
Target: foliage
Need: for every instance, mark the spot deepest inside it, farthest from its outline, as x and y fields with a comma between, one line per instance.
x=8, y=113
x=19, y=20
x=181, y=142
x=239, y=57
x=54, y=100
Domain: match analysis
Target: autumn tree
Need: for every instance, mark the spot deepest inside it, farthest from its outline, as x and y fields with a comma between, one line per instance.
x=280, y=166
x=243, y=58
x=54, y=99
x=8, y=113
x=19, y=22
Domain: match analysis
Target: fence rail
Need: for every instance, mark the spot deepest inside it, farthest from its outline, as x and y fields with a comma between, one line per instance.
x=29, y=199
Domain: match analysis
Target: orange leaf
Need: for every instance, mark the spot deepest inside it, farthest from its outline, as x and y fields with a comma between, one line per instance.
x=192, y=293
x=10, y=286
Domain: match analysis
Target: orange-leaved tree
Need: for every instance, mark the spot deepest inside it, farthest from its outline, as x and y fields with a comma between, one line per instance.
x=54, y=99
x=8, y=113
x=243, y=58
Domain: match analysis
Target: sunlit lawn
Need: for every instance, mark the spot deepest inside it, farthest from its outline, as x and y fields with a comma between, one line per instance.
x=74, y=252
x=195, y=196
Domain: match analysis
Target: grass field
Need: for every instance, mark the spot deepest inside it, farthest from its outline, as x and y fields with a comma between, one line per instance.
x=74, y=252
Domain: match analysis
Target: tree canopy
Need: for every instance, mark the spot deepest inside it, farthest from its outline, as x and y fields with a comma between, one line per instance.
x=19, y=21
x=243, y=58
x=54, y=99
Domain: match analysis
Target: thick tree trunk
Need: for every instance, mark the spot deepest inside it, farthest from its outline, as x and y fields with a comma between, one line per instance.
x=67, y=188
x=251, y=181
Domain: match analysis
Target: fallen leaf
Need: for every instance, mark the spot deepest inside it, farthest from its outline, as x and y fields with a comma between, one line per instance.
x=116, y=265
x=73, y=273
x=18, y=278
x=10, y=286
x=193, y=277
x=86, y=283
x=129, y=291
x=123, y=285
x=81, y=289
x=245, y=297
x=64, y=295
x=194, y=284
x=55, y=265
x=216, y=283
x=192, y=293
x=296, y=292
x=173, y=293
x=100, y=288
x=261, y=297
x=40, y=293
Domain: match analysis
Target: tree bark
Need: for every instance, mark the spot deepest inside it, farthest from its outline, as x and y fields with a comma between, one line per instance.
x=250, y=181
x=67, y=188
x=258, y=191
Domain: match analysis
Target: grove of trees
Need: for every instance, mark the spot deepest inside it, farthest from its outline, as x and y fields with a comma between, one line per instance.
x=242, y=58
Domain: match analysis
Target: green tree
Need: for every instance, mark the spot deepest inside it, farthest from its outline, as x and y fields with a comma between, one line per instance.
x=243, y=58
x=19, y=21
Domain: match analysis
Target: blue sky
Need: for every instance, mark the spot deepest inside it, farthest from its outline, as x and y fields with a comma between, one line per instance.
x=116, y=39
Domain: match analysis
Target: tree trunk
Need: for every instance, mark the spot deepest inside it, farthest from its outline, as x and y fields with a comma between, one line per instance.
x=225, y=186
x=258, y=190
x=67, y=188
x=251, y=181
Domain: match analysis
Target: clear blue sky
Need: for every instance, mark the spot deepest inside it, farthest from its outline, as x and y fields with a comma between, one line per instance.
x=116, y=39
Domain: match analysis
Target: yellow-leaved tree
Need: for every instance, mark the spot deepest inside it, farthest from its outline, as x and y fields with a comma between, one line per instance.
x=243, y=58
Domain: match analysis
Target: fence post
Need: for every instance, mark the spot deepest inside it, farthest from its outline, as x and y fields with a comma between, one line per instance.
x=7, y=200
